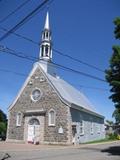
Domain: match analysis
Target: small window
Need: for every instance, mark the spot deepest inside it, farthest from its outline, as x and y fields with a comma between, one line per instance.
x=42, y=50
x=19, y=119
x=51, y=118
x=36, y=95
x=81, y=127
x=91, y=128
x=47, y=35
x=46, y=50
x=98, y=128
x=44, y=35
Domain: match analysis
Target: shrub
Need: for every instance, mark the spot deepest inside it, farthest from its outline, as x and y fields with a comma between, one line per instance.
x=112, y=136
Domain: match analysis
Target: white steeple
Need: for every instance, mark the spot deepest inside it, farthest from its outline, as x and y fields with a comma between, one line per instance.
x=47, y=22
x=45, y=47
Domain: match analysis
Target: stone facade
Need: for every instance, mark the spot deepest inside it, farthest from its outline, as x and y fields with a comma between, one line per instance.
x=49, y=100
x=68, y=119
x=30, y=119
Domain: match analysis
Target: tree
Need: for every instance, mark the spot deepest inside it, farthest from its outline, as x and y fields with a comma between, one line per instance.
x=113, y=73
x=3, y=117
x=3, y=123
x=110, y=123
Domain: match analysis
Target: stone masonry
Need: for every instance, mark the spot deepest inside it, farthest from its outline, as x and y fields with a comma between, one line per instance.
x=49, y=100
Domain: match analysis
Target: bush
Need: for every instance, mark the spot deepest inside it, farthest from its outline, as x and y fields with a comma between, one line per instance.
x=112, y=136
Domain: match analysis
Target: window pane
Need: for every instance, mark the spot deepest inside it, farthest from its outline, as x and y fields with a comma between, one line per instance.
x=19, y=119
x=33, y=122
x=51, y=118
x=36, y=94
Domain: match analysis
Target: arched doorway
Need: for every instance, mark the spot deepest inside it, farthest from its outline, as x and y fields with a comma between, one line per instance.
x=33, y=131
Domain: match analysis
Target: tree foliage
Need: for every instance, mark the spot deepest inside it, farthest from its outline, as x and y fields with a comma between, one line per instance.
x=113, y=73
x=3, y=123
x=3, y=117
x=117, y=28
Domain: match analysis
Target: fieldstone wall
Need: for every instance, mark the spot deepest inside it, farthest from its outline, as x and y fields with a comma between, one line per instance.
x=49, y=100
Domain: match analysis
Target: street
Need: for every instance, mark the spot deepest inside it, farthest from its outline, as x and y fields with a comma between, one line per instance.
x=107, y=151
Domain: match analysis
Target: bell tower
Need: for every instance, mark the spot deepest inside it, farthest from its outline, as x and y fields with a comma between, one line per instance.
x=45, y=47
x=45, y=56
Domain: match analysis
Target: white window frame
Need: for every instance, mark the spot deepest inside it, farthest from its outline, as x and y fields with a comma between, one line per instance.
x=18, y=119
x=92, y=128
x=103, y=128
x=82, y=127
x=49, y=118
x=32, y=95
x=98, y=128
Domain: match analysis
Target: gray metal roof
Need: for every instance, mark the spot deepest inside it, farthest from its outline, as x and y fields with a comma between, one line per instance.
x=70, y=94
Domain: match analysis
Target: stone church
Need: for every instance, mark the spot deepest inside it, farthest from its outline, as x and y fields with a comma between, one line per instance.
x=48, y=110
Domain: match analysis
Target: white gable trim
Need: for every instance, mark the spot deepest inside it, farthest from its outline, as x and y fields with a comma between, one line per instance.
x=24, y=85
x=35, y=66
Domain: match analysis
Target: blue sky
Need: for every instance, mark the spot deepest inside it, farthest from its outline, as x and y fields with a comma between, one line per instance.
x=82, y=29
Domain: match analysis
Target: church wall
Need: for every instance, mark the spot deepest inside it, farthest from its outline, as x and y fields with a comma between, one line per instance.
x=49, y=100
x=89, y=121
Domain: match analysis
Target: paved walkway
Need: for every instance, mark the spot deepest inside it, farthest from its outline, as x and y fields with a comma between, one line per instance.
x=103, y=151
x=5, y=146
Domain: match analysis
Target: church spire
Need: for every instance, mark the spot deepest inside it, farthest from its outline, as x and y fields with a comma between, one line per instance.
x=45, y=48
x=47, y=22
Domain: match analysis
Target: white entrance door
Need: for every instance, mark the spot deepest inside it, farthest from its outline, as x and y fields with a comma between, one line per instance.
x=31, y=133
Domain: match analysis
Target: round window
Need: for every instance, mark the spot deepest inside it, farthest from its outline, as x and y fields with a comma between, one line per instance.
x=36, y=94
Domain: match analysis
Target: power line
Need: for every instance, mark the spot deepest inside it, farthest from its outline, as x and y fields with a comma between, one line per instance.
x=77, y=60
x=14, y=11
x=57, y=51
x=17, y=54
x=23, y=56
x=19, y=35
x=24, y=75
x=25, y=19
x=9, y=71
x=78, y=72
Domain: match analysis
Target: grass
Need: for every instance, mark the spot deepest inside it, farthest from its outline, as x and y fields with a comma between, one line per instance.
x=101, y=141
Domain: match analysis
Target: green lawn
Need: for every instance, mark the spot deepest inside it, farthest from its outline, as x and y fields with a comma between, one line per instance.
x=101, y=140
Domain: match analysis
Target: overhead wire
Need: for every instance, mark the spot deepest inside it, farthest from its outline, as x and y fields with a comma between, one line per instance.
x=23, y=56
x=24, y=75
x=56, y=51
x=29, y=58
x=25, y=19
x=14, y=11
x=19, y=35
x=13, y=72
x=77, y=60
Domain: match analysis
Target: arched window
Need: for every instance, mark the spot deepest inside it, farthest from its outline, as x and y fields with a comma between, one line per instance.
x=18, y=119
x=34, y=121
x=46, y=34
x=46, y=50
x=42, y=50
x=51, y=118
